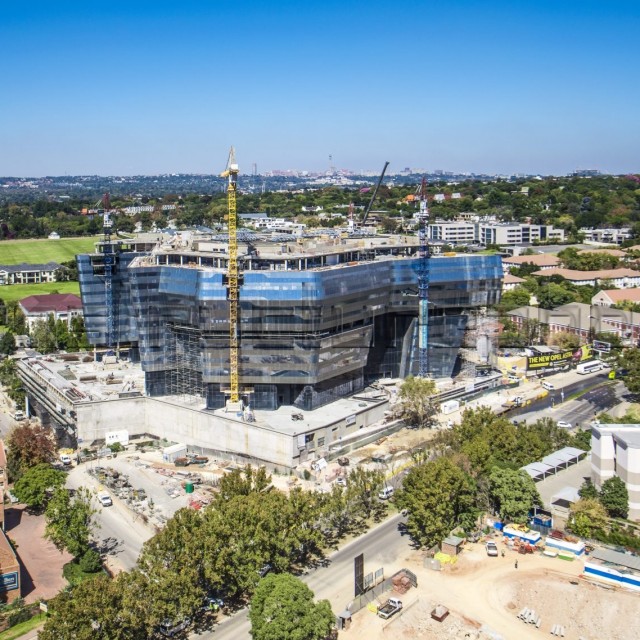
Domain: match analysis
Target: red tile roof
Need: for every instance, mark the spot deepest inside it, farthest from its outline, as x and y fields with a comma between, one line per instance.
x=51, y=302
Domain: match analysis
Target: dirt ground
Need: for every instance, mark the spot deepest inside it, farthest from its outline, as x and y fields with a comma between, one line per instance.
x=484, y=596
x=41, y=563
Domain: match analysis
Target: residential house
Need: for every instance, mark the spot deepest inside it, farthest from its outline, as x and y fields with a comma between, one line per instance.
x=609, y=297
x=510, y=282
x=63, y=306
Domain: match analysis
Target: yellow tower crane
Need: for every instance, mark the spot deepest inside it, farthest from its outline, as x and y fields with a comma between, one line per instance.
x=231, y=172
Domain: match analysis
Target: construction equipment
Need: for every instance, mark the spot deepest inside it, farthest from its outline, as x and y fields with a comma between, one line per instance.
x=109, y=267
x=233, y=284
x=423, y=283
x=373, y=195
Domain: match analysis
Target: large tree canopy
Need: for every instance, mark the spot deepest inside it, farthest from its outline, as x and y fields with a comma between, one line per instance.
x=37, y=484
x=282, y=608
x=439, y=496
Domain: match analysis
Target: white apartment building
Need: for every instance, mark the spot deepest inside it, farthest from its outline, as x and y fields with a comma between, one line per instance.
x=606, y=236
x=453, y=232
x=615, y=451
x=506, y=233
x=490, y=232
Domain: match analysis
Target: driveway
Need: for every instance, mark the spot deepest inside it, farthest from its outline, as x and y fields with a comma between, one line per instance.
x=40, y=562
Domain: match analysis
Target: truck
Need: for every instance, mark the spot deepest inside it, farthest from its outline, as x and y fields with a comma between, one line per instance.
x=391, y=606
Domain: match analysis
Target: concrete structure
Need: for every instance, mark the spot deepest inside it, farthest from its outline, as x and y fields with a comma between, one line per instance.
x=84, y=400
x=615, y=451
x=62, y=306
x=619, y=278
x=24, y=273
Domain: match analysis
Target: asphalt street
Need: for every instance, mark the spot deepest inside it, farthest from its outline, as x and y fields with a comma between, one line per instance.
x=121, y=533
x=384, y=546
x=580, y=411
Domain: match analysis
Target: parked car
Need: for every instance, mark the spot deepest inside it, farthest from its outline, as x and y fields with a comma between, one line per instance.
x=391, y=606
x=491, y=548
x=170, y=629
x=385, y=493
x=563, y=425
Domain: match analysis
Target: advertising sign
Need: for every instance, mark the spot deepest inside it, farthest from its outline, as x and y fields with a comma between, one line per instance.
x=560, y=360
x=9, y=581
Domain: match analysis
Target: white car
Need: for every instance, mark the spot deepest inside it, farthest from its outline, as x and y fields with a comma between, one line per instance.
x=105, y=499
x=563, y=425
x=492, y=548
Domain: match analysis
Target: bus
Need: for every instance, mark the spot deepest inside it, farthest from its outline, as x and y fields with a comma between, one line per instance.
x=589, y=367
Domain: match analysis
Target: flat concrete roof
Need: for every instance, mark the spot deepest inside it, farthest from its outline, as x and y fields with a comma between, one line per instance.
x=627, y=433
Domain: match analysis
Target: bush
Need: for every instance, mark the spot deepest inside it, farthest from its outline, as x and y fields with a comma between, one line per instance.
x=18, y=616
x=90, y=562
x=116, y=447
x=307, y=474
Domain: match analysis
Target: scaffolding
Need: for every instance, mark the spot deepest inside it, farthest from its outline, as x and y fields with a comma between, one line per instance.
x=184, y=360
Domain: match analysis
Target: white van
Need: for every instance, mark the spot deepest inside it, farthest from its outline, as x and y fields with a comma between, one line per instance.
x=19, y=415
x=385, y=493
x=548, y=386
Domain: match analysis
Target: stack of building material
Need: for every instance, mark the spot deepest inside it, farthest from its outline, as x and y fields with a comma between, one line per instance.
x=401, y=583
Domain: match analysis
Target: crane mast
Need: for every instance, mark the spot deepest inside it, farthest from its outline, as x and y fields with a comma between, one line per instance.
x=423, y=283
x=231, y=173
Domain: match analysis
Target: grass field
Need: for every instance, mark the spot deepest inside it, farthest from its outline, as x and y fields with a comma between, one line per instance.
x=12, y=292
x=42, y=251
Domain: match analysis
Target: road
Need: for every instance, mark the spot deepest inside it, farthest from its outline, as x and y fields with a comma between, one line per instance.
x=383, y=546
x=600, y=397
x=121, y=533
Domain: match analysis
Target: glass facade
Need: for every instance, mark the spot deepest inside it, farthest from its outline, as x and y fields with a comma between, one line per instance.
x=307, y=337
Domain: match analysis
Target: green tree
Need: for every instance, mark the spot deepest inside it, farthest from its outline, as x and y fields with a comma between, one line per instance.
x=282, y=608
x=615, y=497
x=70, y=520
x=170, y=570
x=43, y=336
x=37, y=484
x=630, y=360
x=416, y=401
x=242, y=482
x=588, y=490
x=586, y=516
x=8, y=343
x=362, y=492
x=513, y=494
x=96, y=609
x=439, y=496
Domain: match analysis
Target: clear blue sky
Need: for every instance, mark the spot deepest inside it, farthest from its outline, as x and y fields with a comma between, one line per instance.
x=120, y=88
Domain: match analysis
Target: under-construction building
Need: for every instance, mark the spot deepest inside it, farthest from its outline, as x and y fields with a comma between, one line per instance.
x=319, y=316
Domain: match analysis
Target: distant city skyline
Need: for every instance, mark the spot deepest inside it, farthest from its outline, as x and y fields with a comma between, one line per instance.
x=148, y=88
